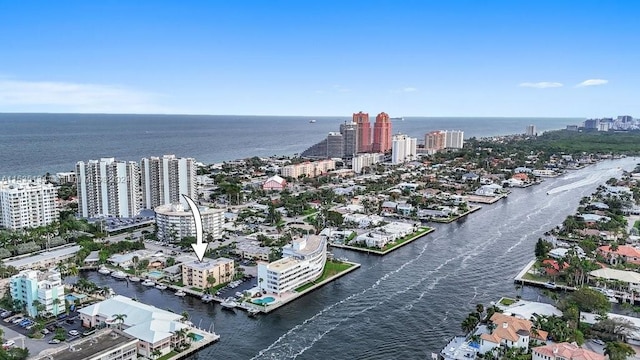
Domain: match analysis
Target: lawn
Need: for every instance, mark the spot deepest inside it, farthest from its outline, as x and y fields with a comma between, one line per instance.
x=169, y=355
x=331, y=268
x=507, y=301
x=403, y=239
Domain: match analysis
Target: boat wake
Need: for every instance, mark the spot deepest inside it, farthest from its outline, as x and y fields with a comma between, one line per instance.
x=589, y=180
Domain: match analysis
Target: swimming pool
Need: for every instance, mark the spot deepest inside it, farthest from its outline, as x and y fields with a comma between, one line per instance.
x=264, y=300
x=156, y=274
x=197, y=337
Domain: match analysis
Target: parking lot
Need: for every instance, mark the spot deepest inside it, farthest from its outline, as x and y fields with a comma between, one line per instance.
x=228, y=292
x=18, y=334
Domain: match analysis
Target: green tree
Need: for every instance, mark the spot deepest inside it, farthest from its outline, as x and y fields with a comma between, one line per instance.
x=119, y=319
x=542, y=248
x=618, y=351
x=589, y=300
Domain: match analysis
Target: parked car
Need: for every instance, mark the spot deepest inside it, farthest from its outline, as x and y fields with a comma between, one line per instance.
x=54, y=341
x=598, y=341
x=16, y=320
x=70, y=320
x=74, y=332
x=7, y=344
x=45, y=331
x=6, y=314
x=89, y=332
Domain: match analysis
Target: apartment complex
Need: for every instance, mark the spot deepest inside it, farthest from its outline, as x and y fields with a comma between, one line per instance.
x=196, y=274
x=363, y=131
x=45, y=287
x=362, y=161
x=382, y=133
x=165, y=179
x=302, y=261
x=309, y=169
x=403, y=149
x=443, y=139
x=175, y=222
x=107, y=187
x=27, y=204
x=531, y=130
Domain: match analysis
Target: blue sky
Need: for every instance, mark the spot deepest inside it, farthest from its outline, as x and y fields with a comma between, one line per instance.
x=316, y=58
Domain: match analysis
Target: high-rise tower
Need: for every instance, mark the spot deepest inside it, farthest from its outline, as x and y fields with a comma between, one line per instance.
x=363, y=137
x=165, y=179
x=382, y=133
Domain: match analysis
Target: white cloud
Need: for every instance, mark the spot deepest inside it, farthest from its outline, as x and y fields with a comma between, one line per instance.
x=592, y=82
x=75, y=97
x=409, y=89
x=541, y=85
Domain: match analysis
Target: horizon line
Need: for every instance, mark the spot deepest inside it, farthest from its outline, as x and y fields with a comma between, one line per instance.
x=302, y=116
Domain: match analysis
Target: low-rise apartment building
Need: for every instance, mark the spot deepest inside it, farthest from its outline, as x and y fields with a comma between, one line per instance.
x=197, y=273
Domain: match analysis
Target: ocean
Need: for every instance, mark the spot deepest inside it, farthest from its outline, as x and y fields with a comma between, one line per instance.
x=34, y=144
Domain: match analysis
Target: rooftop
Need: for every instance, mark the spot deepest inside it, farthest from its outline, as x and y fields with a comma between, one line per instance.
x=92, y=346
x=567, y=351
x=206, y=263
x=43, y=256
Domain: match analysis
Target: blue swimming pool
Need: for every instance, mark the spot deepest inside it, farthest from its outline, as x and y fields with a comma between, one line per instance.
x=264, y=300
x=197, y=337
x=156, y=274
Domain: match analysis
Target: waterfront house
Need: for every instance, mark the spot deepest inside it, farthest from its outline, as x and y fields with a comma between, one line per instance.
x=630, y=279
x=564, y=351
x=470, y=177
x=154, y=328
x=488, y=190
x=509, y=332
x=625, y=253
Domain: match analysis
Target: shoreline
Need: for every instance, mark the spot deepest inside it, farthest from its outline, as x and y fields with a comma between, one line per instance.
x=384, y=252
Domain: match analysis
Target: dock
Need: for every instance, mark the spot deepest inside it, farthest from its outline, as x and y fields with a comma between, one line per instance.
x=519, y=279
x=207, y=339
x=382, y=252
x=485, y=199
x=472, y=209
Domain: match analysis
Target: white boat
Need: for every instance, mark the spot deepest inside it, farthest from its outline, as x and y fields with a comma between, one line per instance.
x=550, y=285
x=104, y=271
x=134, y=278
x=180, y=293
x=148, y=283
x=207, y=298
x=312, y=121
x=229, y=303
x=119, y=275
x=253, y=312
x=161, y=286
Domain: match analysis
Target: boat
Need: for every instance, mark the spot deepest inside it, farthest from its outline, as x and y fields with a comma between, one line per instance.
x=229, y=303
x=312, y=121
x=180, y=293
x=161, y=286
x=134, y=278
x=397, y=118
x=104, y=271
x=148, y=283
x=550, y=285
x=120, y=275
x=253, y=312
x=207, y=298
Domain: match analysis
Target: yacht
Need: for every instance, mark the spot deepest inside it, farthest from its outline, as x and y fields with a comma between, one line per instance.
x=148, y=283
x=180, y=293
x=229, y=303
x=161, y=286
x=134, y=278
x=312, y=121
x=120, y=275
x=550, y=285
x=207, y=298
x=104, y=271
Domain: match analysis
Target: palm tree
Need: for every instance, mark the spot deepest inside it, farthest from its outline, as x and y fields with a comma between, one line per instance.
x=192, y=337
x=39, y=306
x=119, y=318
x=73, y=270
x=618, y=351
x=56, y=302
x=210, y=280
x=156, y=353
x=185, y=315
x=181, y=335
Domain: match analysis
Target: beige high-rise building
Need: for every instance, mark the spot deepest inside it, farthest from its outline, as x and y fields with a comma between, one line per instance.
x=27, y=204
x=107, y=187
x=165, y=179
x=309, y=169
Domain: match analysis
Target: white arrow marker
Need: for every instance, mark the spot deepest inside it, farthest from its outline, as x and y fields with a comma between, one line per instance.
x=199, y=247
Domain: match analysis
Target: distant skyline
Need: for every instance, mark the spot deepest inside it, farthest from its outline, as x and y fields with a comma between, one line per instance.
x=321, y=58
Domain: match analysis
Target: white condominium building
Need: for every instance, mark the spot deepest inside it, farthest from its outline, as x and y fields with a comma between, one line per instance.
x=364, y=160
x=165, y=179
x=107, y=187
x=403, y=149
x=175, y=222
x=454, y=139
x=309, y=169
x=45, y=287
x=27, y=204
x=302, y=261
